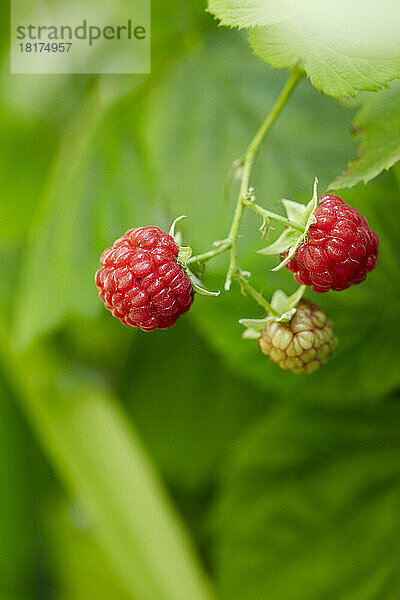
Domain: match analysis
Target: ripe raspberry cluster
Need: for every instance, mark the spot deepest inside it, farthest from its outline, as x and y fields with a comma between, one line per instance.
x=303, y=344
x=144, y=281
x=140, y=281
x=340, y=248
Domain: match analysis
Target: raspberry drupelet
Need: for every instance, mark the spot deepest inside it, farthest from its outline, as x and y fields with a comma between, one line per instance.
x=340, y=248
x=141, y=282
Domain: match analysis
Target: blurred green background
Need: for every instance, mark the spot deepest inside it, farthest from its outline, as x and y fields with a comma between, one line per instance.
x=289, y=486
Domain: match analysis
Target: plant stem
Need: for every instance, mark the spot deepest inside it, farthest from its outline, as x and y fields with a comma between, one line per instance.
x=202, y=258
x=247, y=163
x=250, y=291
x=243, y=200
x=267, y=214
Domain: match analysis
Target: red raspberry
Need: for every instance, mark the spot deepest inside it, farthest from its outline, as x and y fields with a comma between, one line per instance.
x=140, y=281
x=340, y=249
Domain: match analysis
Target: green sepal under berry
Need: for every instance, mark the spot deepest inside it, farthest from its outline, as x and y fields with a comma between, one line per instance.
x=290, y=239
x=198, y=286
x=184, y=253
x=283, y=309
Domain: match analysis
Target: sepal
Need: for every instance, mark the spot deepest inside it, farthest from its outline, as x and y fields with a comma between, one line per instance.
x=198, y=286
x=303, y=216
x=295, y=211
x=283, y=309
x=176, y=234
x=184, y=253
x=285, y=240
x=254, y=327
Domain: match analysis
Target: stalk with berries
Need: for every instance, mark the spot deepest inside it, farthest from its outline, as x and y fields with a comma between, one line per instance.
x=147, y=281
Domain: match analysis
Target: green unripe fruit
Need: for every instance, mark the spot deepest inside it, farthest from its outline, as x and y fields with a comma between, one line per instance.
x=304, y=344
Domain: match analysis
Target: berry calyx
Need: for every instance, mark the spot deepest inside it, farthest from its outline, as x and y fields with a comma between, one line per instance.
x=339, y=250
x=303, y=344
x=141, y=282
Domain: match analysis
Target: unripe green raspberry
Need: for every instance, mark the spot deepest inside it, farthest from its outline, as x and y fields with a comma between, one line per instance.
x=303, y=344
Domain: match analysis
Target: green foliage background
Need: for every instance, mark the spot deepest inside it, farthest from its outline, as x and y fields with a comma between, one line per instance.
x=128, y=460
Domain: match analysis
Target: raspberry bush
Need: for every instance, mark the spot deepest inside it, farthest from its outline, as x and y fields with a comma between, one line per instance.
x=145, y=278
x=289, y=443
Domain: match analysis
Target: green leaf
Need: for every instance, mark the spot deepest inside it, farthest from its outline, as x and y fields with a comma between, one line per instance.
x=309, y=507
x=101, y=461
x=344, y=47
x=79, y=567
x=247, y=13
x=18, y=558
x=377, y=128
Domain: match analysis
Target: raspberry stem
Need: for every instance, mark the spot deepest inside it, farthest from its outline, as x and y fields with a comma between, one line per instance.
x=296, y=75
x=267, y=214
x=245, y=199
x=202, y=258
x=257, y=296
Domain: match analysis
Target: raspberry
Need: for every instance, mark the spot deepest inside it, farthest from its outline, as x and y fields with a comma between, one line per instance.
x=140, y=281
x=302, y=345
x=340, y=249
